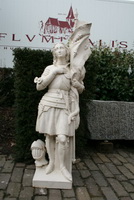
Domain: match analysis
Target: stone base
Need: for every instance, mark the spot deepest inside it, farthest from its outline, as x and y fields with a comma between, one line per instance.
x=53, y=180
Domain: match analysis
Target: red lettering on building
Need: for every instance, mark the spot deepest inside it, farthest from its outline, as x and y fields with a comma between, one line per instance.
x=2, y=35
x=47, y=38
x=14, y=39
x=123, y=44
x=30, y=39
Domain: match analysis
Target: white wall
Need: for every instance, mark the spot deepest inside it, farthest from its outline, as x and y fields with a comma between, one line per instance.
x=112, y=23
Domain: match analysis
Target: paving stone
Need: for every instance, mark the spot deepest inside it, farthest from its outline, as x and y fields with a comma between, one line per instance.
x=77, y=180
x=126, y=172
x=132, y=182
x=91, y=165
x=97, y=198
x=93, y=187
x=1, y=194
x=30, y=167
x=8, y=198
x=123, y=153
x=115, y=161
x=125, y=198
x=108, y=193
x=20, y=165
x=132, y=195
x=82, y=193
x=130, y=160
x=17, y=175
x=13, y=189
x=40, y=198
x=97, y=160
x=2, y=160
x=28, y=176
x=100, y=180
x=26, y=193
x=121, y=177
x=41, y=191
x=103, y=157
x=68, y=193
x=85, y=173
x=130, y=167
x=4, y=179
x=8, y=166
x=69, y=198
x=113, y=168
x=128, y=186
x=105, y=170
x=55, y=194
x=120, y=158
x=81, y=165
x=118, y=188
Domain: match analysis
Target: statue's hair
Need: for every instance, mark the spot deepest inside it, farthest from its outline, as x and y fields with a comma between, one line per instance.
x=54, y=55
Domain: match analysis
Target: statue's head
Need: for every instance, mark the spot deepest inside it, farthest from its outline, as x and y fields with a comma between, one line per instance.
x=64, y=52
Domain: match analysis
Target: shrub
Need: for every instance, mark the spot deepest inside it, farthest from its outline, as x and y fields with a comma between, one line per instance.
x=6, y=87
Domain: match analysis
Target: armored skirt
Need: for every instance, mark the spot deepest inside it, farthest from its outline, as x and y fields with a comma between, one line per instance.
x=54, y=109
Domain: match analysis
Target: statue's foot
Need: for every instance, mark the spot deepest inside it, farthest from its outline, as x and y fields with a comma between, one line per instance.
x=66, y=173
x=49, y=168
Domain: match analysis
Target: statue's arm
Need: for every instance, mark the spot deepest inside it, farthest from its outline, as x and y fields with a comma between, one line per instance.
x=45, y=79
x=79, y=86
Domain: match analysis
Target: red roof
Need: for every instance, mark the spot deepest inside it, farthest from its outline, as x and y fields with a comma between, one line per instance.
x=53, y=21
x=64, y=24
x=70, y=14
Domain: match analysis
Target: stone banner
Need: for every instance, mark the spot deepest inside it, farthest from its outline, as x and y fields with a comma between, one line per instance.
x=111, y=120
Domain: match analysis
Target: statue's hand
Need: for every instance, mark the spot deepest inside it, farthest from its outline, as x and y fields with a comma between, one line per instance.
x=37, y=80
x=75, y=83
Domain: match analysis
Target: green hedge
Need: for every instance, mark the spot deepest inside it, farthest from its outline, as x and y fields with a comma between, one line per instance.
x=6, y=87
x=27, y=64
x=113, y=82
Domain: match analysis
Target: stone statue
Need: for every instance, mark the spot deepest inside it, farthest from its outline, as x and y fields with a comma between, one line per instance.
x=58, y=111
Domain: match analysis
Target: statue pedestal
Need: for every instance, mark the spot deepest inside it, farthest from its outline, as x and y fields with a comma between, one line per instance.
x=53, y=180
x=56, y=179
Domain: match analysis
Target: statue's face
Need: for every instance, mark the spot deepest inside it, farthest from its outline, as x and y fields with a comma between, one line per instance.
x=60, y=50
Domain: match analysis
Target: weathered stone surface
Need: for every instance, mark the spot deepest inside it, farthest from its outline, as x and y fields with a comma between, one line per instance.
x=82, y=193
x=91, y=165
x=40, y=198
x=126, y=172
x=8, y=166
x=118, y=188
x=13, y=189
x=84, y=173
x=54, y=194
x=4, y=179
x=2, y=160
x=128, y=186
x=68, y=193
x=112, y=168
x=40, y=191
x=93, y=187
x=111, y=120
x=77, y=180
x=105, y=170
x=17, y=175
x=28, y=176
x=100, y=180
x=26, y=193
x=109, y=194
